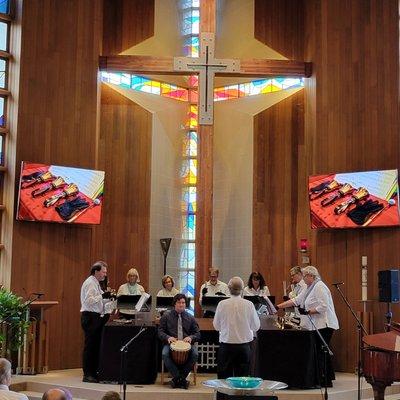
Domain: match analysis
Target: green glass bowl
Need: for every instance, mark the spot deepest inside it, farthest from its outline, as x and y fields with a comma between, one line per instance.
x=244, y=382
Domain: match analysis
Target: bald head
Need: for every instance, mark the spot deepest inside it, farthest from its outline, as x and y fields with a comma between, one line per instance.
x=54, y=394
x=235, y=286
x=5, y=372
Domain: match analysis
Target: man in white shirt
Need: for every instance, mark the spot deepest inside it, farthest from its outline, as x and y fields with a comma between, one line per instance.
x=93, y=318
x=5, y=382
x=236, y=320
x=213, y=287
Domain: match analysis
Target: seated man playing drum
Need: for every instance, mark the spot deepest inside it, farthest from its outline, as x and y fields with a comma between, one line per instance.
x=178, y=330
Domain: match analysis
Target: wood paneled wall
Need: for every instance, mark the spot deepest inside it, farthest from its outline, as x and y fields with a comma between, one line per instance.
x=125, y=154
x=351, y=124
x=58, y=123
x=126, y=23
x=279, y=179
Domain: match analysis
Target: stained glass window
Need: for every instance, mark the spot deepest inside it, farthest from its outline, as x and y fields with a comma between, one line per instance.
x=193, y=116
x=146, y=85
x=253, y=88
x=4, y=6
x=3, y=66
x=4, y=36
x=2, y=112
x=189, y=227
x=188, y=252
x=189, y=172
x=1, y=149
x=189, y=199
x=190, y=144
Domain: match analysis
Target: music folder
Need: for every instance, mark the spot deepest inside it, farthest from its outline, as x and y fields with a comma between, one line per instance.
x=128, y=302
x=212, y=301
x=166, y=302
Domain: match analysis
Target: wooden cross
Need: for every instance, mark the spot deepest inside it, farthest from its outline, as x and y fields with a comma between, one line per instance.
x=207, y=67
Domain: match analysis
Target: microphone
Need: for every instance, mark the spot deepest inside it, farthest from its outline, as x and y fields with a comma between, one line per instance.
x=337, y=283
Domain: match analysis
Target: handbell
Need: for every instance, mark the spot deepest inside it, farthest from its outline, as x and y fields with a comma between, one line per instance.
x=70, y=190
x=44, y=177
x=56, y=184
x=361, y=193
x=329, y=188
x=342, y=192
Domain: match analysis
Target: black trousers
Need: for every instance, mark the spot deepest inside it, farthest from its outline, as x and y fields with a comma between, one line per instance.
x=326, y=333
x=233, y=360
x=92, y=324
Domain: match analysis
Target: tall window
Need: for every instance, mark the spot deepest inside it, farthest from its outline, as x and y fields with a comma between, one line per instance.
x=5, y=22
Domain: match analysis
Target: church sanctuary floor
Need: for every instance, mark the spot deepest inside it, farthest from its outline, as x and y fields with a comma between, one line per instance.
x=345, y=388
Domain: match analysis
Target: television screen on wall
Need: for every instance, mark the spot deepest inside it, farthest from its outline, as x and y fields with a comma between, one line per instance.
x=53, y=193
x=354, y=200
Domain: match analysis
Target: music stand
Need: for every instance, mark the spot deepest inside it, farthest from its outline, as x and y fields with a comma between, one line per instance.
x=167, y=302
x=126, y=304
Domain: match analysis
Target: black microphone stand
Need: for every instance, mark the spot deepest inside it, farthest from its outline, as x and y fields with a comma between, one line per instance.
x=25, y=305
x=327, y=351
x=360, y=329
x=124, y=351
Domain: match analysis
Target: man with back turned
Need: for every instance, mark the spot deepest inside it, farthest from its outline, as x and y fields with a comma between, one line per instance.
x=236, y=320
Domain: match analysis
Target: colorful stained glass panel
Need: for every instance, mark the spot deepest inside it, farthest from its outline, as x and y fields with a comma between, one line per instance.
x=4, y=36
x=189, y=227
x=4, y=6
x=189, y=172
x=187, y=257
x=3, y=66
x=2, y=109
x=189, y=196
x=190, y=144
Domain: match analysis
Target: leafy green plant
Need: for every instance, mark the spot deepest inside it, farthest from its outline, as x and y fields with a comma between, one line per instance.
x=13, y=318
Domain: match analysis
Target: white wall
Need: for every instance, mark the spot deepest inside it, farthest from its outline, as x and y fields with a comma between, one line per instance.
x=233, y=182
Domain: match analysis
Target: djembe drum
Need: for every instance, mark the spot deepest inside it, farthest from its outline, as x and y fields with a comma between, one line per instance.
x=180, y=351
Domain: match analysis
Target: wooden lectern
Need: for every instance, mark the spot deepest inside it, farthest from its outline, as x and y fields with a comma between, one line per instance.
x=33, y=356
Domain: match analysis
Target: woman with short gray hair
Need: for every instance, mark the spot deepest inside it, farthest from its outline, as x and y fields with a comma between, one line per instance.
x=316, y=302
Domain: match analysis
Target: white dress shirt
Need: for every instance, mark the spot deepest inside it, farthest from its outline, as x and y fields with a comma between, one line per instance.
x=319, y=298
x=236, y=320
x=247, y=291
x=213, y=289
x=7, y=394
x=127, y=288
x=167, y=293
x=297, y=289
x=91, y=296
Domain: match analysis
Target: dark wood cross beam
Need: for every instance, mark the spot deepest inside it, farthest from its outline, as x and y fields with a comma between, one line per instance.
x=207, y=67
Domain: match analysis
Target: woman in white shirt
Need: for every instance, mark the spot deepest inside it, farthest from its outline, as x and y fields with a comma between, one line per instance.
x=316, y=302
x=256, y=286
x=168, y=289
x=132, y=285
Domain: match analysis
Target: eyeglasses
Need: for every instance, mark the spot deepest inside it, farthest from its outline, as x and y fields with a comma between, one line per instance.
x=256, y=278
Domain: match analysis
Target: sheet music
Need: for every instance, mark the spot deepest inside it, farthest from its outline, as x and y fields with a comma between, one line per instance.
x=90, y=182
x=142, y=300
x=381, y=184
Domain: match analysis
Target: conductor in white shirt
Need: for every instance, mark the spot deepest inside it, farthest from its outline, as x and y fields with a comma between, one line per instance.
x=317, y=303
x=236, y=320
x=93, y=318
x=5, y=382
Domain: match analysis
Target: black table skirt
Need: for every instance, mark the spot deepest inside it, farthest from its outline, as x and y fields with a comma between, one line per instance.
x=141, y=357
x=288, y=356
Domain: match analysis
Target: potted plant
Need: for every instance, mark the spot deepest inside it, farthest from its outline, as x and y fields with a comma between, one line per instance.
x=13, y=323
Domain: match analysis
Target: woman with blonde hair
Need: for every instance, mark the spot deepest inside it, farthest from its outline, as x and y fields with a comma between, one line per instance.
x=168, y=289
x=132, y=284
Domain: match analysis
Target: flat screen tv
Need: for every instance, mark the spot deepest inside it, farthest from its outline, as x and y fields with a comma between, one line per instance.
x=354, y=200
x=53, y=193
